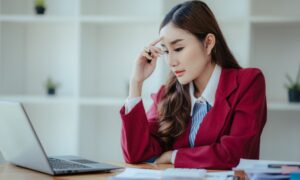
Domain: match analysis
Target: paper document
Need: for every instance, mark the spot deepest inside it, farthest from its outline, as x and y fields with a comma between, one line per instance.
x=135, y=173
x=224, y=175
x=256, y=166
x=172, y=173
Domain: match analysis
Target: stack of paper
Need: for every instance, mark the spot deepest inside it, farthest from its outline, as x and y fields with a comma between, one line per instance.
x=267, y=170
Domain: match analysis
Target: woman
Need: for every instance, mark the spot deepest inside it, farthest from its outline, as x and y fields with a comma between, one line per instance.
x=210, y=112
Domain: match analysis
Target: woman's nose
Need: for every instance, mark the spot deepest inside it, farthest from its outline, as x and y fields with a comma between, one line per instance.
x=172, y=61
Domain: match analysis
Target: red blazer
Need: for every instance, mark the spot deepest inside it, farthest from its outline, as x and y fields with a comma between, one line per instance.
x=230, y=130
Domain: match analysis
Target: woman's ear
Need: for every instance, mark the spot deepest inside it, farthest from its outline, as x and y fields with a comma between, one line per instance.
x=209, y=43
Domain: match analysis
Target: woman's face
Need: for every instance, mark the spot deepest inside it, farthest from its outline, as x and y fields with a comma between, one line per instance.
x=186, y=56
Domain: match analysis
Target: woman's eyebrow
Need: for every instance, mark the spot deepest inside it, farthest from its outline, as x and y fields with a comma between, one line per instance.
x=173, y=42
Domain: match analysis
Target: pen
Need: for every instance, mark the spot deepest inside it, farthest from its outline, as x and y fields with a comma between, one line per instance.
x=280, y=165
x=149, y=60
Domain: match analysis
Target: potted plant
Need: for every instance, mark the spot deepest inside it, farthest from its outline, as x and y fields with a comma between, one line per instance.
x=40, y=6
x=51, y=86
x=294, y=87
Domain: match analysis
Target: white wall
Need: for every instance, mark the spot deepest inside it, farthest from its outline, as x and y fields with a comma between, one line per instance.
x=1, y=158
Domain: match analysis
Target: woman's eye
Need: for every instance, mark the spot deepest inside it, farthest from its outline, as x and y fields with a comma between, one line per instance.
x=178, y=49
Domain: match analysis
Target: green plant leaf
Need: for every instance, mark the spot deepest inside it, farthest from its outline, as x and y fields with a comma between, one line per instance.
x=50, y=84
x=289, y=79
x=39, y=3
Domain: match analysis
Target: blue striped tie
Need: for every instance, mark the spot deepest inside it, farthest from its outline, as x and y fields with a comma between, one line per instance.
x=199, y=111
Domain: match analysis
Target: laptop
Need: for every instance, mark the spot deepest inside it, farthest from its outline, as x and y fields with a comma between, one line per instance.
x=21, y=146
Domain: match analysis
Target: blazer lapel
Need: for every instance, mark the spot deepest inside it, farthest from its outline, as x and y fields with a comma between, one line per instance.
x=216, y=118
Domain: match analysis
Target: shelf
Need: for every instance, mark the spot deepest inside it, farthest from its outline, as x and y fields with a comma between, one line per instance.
x=106, y=101
x=102, y=101
x=284, y=106
x=84, y=19
x=119, y=19
x=32, y=18
x=39, y=99
x=118, y=102
x=61, y=100
x=134, y=19
x=274, y=19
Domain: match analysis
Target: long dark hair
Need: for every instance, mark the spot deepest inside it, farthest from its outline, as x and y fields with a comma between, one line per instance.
x=175, y=106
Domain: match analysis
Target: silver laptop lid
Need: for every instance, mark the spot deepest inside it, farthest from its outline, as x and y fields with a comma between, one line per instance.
x=19, y=143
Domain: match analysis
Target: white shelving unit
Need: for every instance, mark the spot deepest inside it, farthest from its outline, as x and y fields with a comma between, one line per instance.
x=275, y=43
x=89, y=46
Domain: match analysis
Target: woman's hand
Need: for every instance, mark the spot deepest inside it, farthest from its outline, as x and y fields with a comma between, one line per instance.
x=165, y=158
x=144, y=67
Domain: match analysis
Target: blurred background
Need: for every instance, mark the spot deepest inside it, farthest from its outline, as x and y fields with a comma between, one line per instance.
x=69, y=62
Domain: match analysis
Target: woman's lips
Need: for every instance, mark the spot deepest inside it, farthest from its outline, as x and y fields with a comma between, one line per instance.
x=179, y=73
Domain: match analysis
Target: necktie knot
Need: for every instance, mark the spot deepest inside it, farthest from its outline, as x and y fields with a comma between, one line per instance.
x=197, y=106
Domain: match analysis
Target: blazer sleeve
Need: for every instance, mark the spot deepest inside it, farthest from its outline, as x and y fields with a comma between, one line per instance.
x=242, y=141
x=137, y=135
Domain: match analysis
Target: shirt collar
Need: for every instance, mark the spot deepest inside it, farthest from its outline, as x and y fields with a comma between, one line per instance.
x=209, y=92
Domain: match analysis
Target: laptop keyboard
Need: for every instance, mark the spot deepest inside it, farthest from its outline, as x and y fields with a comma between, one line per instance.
x=62, y=164
x=84, y=161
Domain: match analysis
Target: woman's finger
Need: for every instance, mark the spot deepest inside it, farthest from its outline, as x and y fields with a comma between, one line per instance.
x=146, y=55
x=151, y=53
x=155, y=42
x=155, y=49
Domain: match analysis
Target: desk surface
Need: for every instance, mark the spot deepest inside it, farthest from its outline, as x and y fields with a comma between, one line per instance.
x=9, y=171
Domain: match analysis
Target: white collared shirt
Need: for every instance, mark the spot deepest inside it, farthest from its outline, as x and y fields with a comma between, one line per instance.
x=210, y=89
